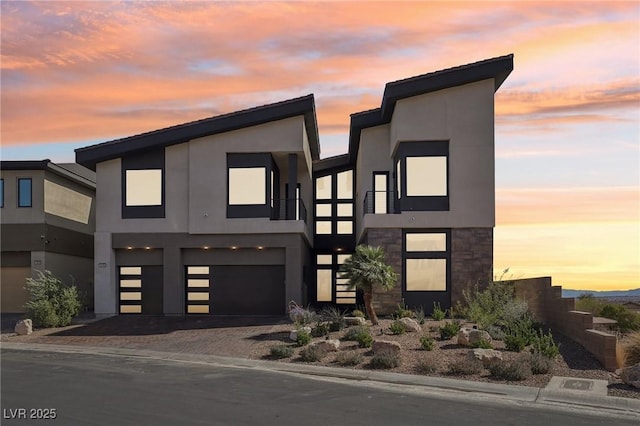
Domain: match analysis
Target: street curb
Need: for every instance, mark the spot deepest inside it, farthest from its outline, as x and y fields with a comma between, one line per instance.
x=524, y=394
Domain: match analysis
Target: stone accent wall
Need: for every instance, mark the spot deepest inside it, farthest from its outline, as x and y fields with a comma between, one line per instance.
x=471, y=259
x=549, y=307
x=386, y=302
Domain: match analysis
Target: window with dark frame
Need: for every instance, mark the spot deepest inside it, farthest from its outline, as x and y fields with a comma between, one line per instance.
x=334, y=203
x=426, y=260
x=25, y=195
x=253, y=182
x=1, y=193
x=143, y=185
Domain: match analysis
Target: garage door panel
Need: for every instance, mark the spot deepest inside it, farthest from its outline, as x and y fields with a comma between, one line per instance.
x=248, y=290
x=14, y=296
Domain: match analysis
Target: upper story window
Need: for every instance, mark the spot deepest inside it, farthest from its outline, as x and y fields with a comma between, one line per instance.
x=422, y=176
x=323, y=188
x=24, y=192
x=1, y=193
x=143, y=185
x=253, y=182
x=334, y=210
x=345, y=184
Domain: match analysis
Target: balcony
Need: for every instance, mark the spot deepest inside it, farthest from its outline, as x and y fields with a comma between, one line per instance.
x=380, y=202
x=289, y=209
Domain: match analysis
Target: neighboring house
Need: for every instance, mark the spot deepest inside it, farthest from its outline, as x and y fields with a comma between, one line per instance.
x=236, y=214
x=47, y=218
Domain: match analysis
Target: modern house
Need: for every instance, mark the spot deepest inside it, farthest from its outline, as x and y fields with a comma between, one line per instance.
x=47, y=216
x=237, y=214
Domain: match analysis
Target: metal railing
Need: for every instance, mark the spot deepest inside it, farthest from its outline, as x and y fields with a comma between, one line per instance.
x=379, y=202
x=289, y=209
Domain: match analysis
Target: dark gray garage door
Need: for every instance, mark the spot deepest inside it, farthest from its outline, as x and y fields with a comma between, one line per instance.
x=247, y=290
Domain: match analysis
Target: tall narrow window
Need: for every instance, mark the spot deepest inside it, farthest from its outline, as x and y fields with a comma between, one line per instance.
x=324, y=289
x=345, y=184
x=1, y=193
x=426, y=261
x=323, y=188
x=24, y=192
x=380, y=193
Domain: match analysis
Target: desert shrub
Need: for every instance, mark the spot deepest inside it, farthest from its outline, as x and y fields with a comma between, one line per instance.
x=427, y=343
x=334, y=317
x=301, y=316
x=458, y=311
x=320, y=329
x=519, y=333
x=515, y=370
x=346, y=359
x=438, y=314
x=312, y=353
x=403, y=312
x=419, y=315
x=587, y=302
x=544, y=345
x=365, y=340
x=496, y=332
x=487, y=307
x=514, y=343
x=358, y=313
x=397, y=327
x=426, y=366
x=449, y=330
x=360, y=334
x=385, y=361
x=627, y=320
x=303, y=338
x=281, y=351
x=50, y=302
x=465, y=367
x=539, y=363
x=482, y=344
x=631, y=348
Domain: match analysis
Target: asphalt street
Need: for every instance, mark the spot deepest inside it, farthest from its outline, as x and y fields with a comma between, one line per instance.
x=84, y=389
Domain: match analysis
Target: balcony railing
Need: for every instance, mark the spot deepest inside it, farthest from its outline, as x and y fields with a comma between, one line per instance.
x=379, y=202
x=289, y=209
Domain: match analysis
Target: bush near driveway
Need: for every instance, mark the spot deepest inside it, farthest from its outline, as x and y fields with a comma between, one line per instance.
x=51, y=303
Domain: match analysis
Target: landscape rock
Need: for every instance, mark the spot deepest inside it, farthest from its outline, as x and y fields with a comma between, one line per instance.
x=385, y=346
x=471, y=336
x=487, y=356
x=23, y=327
x=410, y=324
x=293, y=335
x=354, y=320
x=330, y=345
x=631, y=375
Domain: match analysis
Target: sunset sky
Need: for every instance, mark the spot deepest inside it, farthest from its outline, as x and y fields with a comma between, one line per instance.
x=567, y=118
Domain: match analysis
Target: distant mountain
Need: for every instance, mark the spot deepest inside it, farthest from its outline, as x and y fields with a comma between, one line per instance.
x=577, y=293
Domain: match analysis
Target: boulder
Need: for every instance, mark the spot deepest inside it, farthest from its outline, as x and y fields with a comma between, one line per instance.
x=330, y=345
x=631, y=375
x=471, y=336
x=487, y=356
x=385, y=346
x=24, y=327
x=293, y=335
x=354, y=321
x=410, y=324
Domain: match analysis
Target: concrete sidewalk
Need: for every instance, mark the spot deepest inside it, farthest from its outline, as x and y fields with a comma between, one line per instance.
x=566, y=393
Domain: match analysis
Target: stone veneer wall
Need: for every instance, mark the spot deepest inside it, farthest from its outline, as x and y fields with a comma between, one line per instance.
x=549, y=307
x=386, y=302
x=471, y=260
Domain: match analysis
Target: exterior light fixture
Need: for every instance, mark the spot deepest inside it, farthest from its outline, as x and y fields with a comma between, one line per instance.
x=129, y=248
x=234, y=248
x=205, y=248
x=260, y=247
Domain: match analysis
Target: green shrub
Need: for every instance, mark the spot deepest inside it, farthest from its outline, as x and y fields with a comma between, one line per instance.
x=360, y=334
x=539, y=363
x=397, y=327
x=365, y=340
x=496, y=332
x=426, y=366
x=544, y=345
x=627, y=320
x=321, y=329
x=514, y=343
x=427, y=343
x=312, y=353
x=465, y=367
x=50, y=302
x=515, y=370
x=438, y=314
x=385, y=361
x=347, y=359
x=357, y=313
x=303, y=338
x=482, y=344
x=631, y=348
x=520, y=333
x=419, y=315
x=281, y=351
x=334, y=317
x=587, y=302
x=487, y=307
x=403, y=312
x=449, y=330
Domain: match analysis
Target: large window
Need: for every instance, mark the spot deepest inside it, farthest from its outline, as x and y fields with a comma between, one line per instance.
x=422, y=176
x=247, y=186
x=143, y=185
x=426, y=261
x=253, y=182
x=334, y=209
x=330, y=284
x=24, y=192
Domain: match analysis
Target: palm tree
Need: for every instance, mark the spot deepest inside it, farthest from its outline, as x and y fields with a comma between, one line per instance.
x=366, y=268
